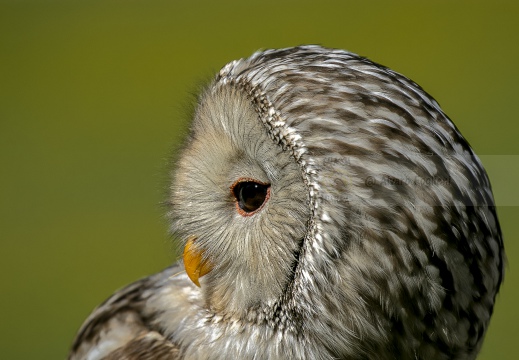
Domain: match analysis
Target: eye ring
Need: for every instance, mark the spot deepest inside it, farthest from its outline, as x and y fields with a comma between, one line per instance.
x=250, y=195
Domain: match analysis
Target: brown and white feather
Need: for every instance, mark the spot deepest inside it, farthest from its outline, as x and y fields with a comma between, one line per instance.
x=380, y=238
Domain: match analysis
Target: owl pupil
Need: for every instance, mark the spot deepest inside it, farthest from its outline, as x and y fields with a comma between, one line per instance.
x=250, y=195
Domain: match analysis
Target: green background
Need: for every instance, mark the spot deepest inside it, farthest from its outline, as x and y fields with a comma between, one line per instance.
x=94, y=97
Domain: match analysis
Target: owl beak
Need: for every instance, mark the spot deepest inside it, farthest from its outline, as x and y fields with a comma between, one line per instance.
x=194, y=262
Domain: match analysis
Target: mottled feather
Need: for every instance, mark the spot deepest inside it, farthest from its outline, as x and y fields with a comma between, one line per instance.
x=379, y=238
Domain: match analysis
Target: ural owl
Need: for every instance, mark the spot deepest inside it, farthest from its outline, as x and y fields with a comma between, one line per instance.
x=328, y=209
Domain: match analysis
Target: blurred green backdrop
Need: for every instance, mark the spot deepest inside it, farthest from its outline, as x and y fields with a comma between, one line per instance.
x=94, y=97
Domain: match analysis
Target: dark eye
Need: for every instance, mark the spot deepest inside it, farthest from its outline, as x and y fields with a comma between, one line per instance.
x=250, y=195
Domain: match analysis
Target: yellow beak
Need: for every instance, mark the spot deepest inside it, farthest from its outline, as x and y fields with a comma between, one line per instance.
x=196, y=266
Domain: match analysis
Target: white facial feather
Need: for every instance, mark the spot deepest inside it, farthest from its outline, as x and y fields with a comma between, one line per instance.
x=253, y=255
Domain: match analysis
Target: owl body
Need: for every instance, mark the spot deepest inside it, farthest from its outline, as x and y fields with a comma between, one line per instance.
x=328, y=209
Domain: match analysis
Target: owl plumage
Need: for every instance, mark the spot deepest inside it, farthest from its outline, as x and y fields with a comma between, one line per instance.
x=328, y=209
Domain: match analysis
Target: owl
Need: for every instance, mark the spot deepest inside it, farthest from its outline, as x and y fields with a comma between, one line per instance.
x=327, y=208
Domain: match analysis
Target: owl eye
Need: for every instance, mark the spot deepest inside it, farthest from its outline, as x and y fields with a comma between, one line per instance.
x=250, y=195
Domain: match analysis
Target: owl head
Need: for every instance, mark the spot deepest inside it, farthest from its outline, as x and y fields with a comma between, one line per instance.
x=329, y=200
